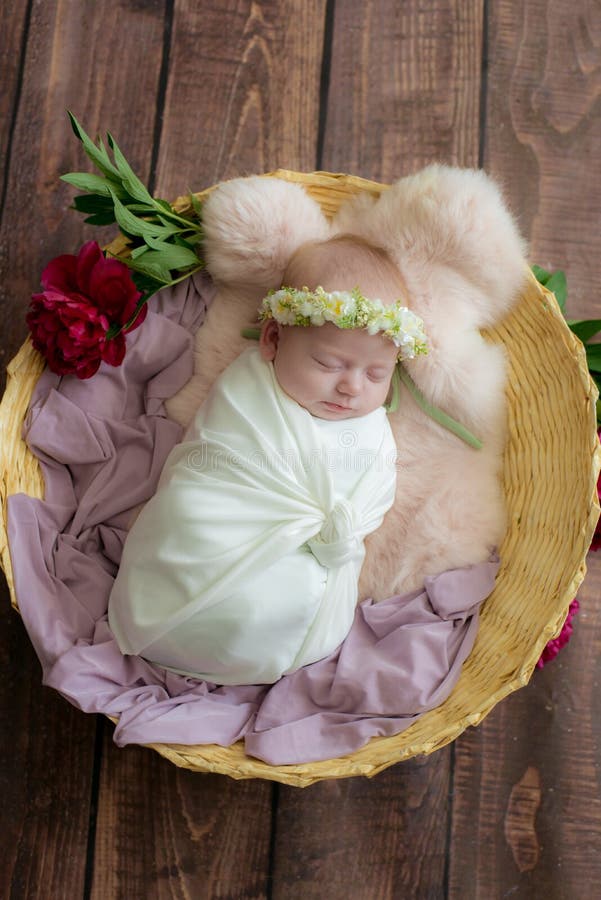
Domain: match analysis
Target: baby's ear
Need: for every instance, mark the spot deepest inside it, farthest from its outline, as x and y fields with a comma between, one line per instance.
x=268, y=339
x=252, y=227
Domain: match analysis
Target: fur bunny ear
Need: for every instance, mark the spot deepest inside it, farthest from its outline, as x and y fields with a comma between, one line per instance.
x=252, y=227
x=451, y=218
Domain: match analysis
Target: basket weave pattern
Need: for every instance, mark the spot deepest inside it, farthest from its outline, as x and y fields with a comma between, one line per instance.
x=551, y=464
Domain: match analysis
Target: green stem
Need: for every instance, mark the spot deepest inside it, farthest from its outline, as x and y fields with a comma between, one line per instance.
x=183, y=277
x=176, y=217
x=114, y=330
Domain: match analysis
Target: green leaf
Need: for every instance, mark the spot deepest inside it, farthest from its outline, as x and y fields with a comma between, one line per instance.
x=98, y=155
x=554, y=282
x=168, y=223
x=557, y=284
x=131, y=224
x=143, y=209
x=129, y=179
x=139, y=251
x=127, y=221
x=183, y=242
x=101, y=218
x=173, y=256
x=585, y=329
x=165, y=229
x=146, y=283
x=89, y=203
x=151, y=264
x=162, y=242
x=193, y=239
x=593, y=357
x=541, y=275
x=93, y=184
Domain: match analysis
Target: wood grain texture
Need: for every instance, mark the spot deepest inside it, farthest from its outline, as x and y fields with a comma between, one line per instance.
x=404, y=87
x=238, y=92
x=540, y=746
x=47, y=746
x=360, y=840
x=527, y=802
x=46, y=758
x=385, y=838
x=225, y=63
x=243, y=91
x=163, y=832
x=543, y=135
x=14, y=37
x=70, y=64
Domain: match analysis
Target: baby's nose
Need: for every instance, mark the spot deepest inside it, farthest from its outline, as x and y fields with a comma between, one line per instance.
x=350, y=383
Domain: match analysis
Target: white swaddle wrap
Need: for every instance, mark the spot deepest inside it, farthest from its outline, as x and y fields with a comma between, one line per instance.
x=244, y=564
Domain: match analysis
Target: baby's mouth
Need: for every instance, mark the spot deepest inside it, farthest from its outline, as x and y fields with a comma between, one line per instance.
x=337, y=406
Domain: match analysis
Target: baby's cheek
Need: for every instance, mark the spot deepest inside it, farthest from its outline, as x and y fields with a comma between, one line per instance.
x=321, y=381
x=383, y=392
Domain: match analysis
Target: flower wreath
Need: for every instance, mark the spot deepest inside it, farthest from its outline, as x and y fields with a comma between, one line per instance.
x=91, y=301
x=347, y=309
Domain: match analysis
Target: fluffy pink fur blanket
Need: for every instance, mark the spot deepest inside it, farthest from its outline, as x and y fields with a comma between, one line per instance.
x=463, y=261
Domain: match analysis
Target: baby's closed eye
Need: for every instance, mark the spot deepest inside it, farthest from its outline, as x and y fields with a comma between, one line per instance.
x=379, y=374
x=327, y=363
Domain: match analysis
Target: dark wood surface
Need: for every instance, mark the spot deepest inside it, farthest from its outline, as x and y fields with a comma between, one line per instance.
x=196, y=92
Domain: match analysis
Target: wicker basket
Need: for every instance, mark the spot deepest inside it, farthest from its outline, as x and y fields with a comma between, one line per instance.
x=551, y=466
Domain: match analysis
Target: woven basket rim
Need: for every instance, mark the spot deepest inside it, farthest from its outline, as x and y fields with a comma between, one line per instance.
x=19, y=470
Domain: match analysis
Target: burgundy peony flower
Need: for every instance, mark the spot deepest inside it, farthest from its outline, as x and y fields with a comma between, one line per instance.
x=83, y=296
x=554, y=646
x=596, y=543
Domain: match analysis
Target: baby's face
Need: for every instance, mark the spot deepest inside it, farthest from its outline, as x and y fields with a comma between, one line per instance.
x=332, y=372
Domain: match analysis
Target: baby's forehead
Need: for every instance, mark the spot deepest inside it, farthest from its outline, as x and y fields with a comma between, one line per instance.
x=348, y=343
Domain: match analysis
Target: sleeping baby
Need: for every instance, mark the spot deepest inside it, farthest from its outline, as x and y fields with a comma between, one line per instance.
x=244, y=565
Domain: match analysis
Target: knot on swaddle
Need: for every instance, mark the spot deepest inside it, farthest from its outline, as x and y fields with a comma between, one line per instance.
x=337, y=541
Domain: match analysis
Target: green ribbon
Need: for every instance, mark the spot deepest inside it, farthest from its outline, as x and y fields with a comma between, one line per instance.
x=253, y=334
x=443, y=418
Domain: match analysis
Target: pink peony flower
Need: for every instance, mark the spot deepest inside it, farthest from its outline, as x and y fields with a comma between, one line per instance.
x=83, y=296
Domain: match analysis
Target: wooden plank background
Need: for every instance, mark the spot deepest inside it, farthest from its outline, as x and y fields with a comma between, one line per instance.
x=200, y=91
